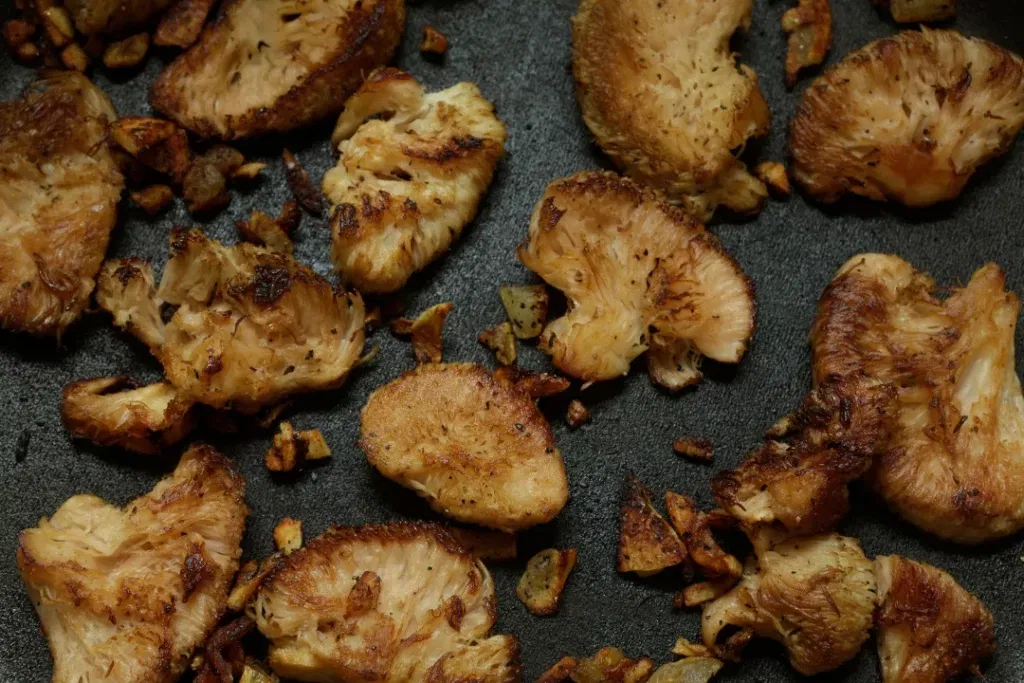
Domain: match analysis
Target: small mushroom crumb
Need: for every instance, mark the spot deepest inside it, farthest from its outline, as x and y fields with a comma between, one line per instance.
x=502, y=341
x=527, y=308
x=773, y=174
x=292, y=448
x=153, y=199
x=306, y=193
x=288, y=535
x=560, y=672
x=27, y=53
x=126, y=53
x=703, y=592
x=425, y=331
x=608, y=664
x=250, y=577
x=434, y=42
x=225, y=159
x=541, y=585
x=272, y=233
x=57, y=25
x=577, y=414
x=647, y=543
x=254, y=673
x=684, y=648
x=693, y=448
x=204, y=188
x=250, y=170
x=73, y=57
x=182, y=23
x=17, y=32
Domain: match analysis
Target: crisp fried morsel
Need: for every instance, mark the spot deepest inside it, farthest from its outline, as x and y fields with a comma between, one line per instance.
x=58, y=201
x=153, y=199
x=249, y=171
x=689, y=670
x=288, y=535
x=182, y=23
x=473, y=444
x=693, y=448
x=916, y=11
x=703, y=592
x=128, y=594
x=273, y=233
x=251, y=576
x=408, y=181
x=74, y=57
x=249, y=327
x=908, y=118
x=815, y=595
x=796, y=483
x=609, y=665
x=303, y=189
x=204, y=188
x=576, y=415
x=640, y=275
x=809, y=27
x=425, y=331
x=537, y=385
x=126, y=53
x=647, y=543
x=434, y=42
x=113, y=16
x=931, y=630
x=56, y=23
x=27, y=53
x=540, y=588
x=291, y=448
x=17, y=32
x=155, y=143
x=266, y=66
x=401, y=602
x=694, y=529
x=502, y=341
x=111, y=411
x=560, y=672
x=254, y=673
x=488, y=545
x=955, y=463
x=773, y=174
x=526, y=307
x=661, y=91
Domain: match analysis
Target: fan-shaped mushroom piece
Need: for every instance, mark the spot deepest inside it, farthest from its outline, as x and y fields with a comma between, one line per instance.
x=128, y=594
x=955, y=463
x=473, y=444
x=661, y=91
x=908, y=118
x=401, y=602
x=268, y=65
x=640, y=276
x=58, y=201
x=409, y=180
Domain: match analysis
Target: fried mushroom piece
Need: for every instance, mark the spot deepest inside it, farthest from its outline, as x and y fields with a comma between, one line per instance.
x=661, y=91
x=930, y=628
x=113, y=411
x=541, y=585
x=58, y=201
x=93, y=17
x=128, y=594
x=249, y=327
x=413, y=169
x=796, y=483
x=954, y=465
x=291, y=448
x=640, y=276
x=401, y=602
x=694, y=529
x=809, y=27
x=647, y=543
x=266, y=66
x=908, y=118
x=425, y=332
x=815, y=595
x=473, y=444
x=182, y=23
x=916, y=11
x=608, y=665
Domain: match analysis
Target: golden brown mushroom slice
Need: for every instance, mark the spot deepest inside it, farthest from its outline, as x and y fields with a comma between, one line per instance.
x=128, y=594
x=907, y=118
x=413, y=169
x=640, y=276
x=541, y=585
x=473, y=444
x=815, y=595
x=58, y=201
x=249, y=327
x=647, y=543
x=266, y=66
x=954, y=465
x=400, y=602
x=661, y=91
x=113, y=411
x=930, y=628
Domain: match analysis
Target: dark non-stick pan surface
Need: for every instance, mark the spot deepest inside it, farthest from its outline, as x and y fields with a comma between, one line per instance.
x=518, y=52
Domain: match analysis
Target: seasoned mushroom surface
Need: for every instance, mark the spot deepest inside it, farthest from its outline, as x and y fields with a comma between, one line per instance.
x=59, y=188
x=815, y=595
x=907, y=118
x=394, y=603
x=128, y=594
x=473, y=444
x=266, y=65
x=955, y=463
x=640, y=276
x=930, y=628
x=407, y=182
x=661, y=91
x=250, y=328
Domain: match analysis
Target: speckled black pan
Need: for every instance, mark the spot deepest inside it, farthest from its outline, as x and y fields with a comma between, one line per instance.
x=518, y=52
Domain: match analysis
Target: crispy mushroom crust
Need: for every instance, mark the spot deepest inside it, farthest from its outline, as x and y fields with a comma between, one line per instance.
x=908, y=118
x=128, y=594
x=473, y=444
x=59, y=188
x=662, y=93
x=647, y=542
x=410, y=180
x=930, y=628
x=640, y=276
x=815, y=595
x=954, y=465
x=393, y=603
x=250, y=327
x=265, y=65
